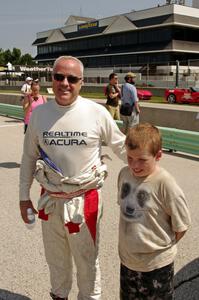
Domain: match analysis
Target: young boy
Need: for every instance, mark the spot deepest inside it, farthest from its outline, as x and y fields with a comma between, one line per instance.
x=153, y=218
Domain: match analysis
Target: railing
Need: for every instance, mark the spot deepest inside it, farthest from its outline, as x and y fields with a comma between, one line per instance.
x=177, y=139
x=173, y=139
x=10, y=110
x=180, y=140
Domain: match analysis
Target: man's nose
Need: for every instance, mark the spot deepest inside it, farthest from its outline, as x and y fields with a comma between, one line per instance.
x=65, y=81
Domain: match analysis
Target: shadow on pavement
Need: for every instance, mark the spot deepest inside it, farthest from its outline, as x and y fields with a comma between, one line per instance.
x=9, y=165
x=6, y=295
x=186, y=282
x=13, y=121
x=183, y=155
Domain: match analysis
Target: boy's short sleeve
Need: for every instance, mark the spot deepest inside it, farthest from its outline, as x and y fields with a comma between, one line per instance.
x=176, y=205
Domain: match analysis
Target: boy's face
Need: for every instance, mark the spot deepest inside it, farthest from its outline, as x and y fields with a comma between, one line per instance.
x=141, y=162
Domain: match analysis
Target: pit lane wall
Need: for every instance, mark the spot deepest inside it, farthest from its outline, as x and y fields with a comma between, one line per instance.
x=183, y=117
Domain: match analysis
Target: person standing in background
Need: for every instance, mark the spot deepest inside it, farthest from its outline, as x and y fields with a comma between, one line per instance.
x=26, y=88
x=130, y=109
x=31, y=101
x=113, y=94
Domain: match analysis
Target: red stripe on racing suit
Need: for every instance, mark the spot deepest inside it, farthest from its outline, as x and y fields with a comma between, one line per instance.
x=91, y=202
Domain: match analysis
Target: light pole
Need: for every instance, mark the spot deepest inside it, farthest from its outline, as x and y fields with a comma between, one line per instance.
x=177, y=73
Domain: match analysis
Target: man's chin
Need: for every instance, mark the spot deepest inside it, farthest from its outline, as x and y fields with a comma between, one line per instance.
x=64, y=100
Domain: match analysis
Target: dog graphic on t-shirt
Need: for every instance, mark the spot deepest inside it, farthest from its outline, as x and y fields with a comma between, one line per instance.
x=133, y=201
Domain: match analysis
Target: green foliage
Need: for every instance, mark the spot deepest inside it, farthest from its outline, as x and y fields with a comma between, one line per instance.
x=100, y=95
x=7, y=56
x=2, y=62
x=15, y=57
x=27, y=59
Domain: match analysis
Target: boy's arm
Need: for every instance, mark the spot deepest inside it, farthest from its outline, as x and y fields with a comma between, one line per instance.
x=179, y=235
x=176, y=206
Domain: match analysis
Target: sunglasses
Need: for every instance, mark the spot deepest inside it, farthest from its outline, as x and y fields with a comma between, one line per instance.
x=70, y=78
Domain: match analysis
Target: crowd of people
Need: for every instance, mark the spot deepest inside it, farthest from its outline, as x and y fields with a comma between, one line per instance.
x=62, y=151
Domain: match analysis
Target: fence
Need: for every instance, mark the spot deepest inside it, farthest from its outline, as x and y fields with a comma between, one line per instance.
x=173, y=139
x=184, y=73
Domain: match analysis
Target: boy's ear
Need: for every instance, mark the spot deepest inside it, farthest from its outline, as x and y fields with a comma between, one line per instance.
x=159, y=155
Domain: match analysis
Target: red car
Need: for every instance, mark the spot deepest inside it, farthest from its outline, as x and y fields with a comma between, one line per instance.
x=144, y=94
x=189, y=95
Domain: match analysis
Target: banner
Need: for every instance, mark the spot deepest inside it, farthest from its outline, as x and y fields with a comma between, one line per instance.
x=89, y=25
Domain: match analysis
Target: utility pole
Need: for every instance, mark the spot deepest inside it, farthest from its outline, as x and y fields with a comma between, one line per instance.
x=177, y=73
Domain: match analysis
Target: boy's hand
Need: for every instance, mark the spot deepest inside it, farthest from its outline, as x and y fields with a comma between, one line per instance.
x=179, y=235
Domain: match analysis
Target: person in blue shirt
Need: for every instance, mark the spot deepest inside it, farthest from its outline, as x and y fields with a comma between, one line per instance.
x=130, y=110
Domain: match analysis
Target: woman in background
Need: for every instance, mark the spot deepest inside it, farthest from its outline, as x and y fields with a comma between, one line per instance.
x=31, y=101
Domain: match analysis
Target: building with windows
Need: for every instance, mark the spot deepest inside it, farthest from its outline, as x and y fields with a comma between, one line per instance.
x=152, y=36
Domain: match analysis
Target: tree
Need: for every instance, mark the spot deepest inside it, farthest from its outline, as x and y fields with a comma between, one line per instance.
x=8, y=56
x=2, y=61
x=26, y=59
x=15, y=57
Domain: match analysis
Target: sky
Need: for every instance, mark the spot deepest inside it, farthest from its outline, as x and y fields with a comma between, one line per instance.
x=20, y=20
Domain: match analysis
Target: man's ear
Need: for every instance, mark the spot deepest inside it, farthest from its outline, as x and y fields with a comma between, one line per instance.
x=158, y=155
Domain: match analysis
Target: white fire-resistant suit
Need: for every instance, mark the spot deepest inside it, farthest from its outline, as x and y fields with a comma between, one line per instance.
x=71, y=137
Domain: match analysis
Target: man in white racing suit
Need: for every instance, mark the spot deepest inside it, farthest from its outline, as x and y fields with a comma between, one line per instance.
x=62, y=150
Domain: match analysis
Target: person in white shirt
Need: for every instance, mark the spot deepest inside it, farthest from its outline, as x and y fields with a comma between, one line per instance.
x=62, y=148
x=26, y=88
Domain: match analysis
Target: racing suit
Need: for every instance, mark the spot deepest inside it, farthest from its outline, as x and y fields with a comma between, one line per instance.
x=71, y=137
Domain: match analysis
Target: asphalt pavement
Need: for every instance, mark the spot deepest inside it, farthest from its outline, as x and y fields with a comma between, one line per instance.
x=23, y=270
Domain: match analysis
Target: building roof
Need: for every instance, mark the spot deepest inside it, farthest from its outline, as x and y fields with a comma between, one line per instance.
x=80, y=27
x=77, y=20
x=40, y=41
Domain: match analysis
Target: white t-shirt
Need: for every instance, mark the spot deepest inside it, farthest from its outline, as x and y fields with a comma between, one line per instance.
x=26, y=88
x=152, y=209
x=71, y=136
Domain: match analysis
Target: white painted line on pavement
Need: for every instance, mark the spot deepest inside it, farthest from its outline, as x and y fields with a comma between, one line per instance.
x=12, y=125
